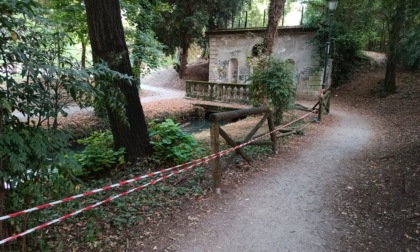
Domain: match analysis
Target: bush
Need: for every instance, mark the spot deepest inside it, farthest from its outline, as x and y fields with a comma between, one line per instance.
x=36, y=167
x=410, y=48
x=346, y=41
x=346, y=58
x=99, y=153
x=272, y=84
x=170, y=144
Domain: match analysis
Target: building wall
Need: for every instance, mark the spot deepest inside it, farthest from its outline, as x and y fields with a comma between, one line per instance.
x=231, y=55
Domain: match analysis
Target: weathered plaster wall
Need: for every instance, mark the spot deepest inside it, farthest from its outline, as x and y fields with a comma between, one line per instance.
x=229, y=48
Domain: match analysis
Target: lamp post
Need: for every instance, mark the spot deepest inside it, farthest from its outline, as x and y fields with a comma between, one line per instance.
x=332, y=5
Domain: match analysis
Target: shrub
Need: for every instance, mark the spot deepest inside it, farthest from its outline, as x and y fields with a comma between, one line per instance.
x=346, y=41
x=272, y=84
x=410, y=48
x=99, y=153
x=36, y=167
x=171, y=144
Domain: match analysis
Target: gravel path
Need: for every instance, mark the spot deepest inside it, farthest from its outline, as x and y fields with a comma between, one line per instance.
x=151, y=94
x=160, y=93
x=287, y=208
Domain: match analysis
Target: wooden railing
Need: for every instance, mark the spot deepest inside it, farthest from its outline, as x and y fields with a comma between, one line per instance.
x=216, y=130
x=323, y=104
x=212, y=91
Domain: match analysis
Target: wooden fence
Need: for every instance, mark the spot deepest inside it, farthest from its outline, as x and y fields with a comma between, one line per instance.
x=216, y=130
x=323, y=104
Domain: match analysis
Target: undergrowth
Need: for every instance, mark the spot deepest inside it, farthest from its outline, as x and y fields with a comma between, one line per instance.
x=106, y=227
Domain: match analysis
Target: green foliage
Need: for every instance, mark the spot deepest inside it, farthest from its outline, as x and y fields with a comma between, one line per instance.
x=38, y=79
x=146, y=50
x=104, y=95
x=192, y=18
x=221, y=11
x=347, y=41
x=37, y=167
x=170, y=144
x=410, y=43
x=273, y=83
x=256, y=12
x=345, y=57
x=34, y=154
x=71, y=17
x=365, y=25
x=99, y=153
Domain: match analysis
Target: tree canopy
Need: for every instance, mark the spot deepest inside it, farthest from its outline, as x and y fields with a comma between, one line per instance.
x=185, y=22
x=380, y=25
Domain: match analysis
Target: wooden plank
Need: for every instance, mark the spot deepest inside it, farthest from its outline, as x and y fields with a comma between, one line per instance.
x=227, y=116
x=256, y=128
x=231, y=157
x=258, y=143
x=232, y=143
x=247, y=138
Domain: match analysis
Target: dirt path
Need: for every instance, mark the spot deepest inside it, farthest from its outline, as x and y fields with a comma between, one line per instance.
x=154, y=93
x=286, y=209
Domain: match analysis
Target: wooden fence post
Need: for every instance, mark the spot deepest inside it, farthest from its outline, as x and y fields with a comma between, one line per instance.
x=328, y=103
x=272, y=128
x=321, y=104
x=214, y=142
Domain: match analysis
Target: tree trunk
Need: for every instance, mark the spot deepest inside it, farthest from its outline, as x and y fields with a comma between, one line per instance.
x=108, y=43
x=186, y=40
x=274, y=14
x=83, y=58
x=2, y=189
x=392, y=53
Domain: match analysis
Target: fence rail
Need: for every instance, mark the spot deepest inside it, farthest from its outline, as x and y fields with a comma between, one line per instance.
x=213, y=91
x=216, y=130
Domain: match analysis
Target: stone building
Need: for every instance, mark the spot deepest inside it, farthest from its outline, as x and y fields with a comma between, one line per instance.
x=232, y=52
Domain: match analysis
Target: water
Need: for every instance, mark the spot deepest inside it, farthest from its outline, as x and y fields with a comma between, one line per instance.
x=195, y=125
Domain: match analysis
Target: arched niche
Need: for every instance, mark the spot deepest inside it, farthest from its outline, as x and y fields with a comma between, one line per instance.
x=233, y=71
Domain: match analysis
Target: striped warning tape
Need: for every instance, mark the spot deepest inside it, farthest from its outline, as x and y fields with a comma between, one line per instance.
x=129, y=181
x=46, y=224
x=193, y=164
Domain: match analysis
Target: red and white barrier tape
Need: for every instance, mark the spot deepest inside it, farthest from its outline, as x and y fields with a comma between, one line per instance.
x=46, y=224
x=194, y=163
x=129, y=181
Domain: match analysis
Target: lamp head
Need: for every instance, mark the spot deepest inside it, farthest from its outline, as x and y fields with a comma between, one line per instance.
x=332, y=5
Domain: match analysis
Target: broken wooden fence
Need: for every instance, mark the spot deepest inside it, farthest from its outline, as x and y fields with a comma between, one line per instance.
x=323, y=104
x=216, y=130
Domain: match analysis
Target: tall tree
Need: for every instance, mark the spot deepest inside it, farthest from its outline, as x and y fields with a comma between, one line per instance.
x=108, y=45
x=186, y=20
x=145, y=48
x=397, y=24
x=274, y=13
